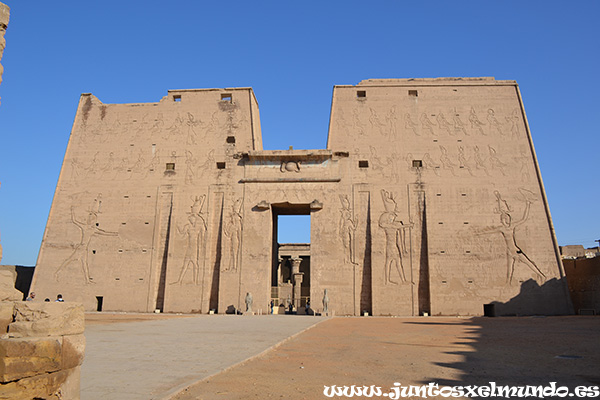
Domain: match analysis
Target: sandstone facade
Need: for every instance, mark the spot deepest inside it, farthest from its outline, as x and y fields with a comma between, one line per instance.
x=428, y=199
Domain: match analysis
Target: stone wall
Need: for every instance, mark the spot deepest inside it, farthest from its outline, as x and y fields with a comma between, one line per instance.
x=583, y=276
x=41, y=347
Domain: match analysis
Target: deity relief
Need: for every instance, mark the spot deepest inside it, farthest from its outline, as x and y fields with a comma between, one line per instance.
x=194, y=232
x=347, y=229
x=233, y=230
x=395, y=236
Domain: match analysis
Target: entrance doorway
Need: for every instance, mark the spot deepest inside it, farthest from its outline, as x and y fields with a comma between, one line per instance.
x=290, y=270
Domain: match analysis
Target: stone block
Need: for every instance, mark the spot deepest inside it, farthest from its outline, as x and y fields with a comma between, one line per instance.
x=47, y=319
x=8, y=277
x=6, y=315
x=44, y=386
x=22, y=358
x=73, y=351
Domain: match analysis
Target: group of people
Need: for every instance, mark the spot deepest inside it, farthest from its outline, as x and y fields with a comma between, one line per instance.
x=31, y=297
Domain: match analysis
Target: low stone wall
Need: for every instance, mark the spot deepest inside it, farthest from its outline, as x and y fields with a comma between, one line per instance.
x=583, y=276
x=41, y=347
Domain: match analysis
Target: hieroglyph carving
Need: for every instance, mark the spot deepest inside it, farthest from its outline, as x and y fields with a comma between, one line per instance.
x=233, y=230
x=80, y=253
x=508, y=227
x=395, y=246
x=347, y=229
x=194, y=232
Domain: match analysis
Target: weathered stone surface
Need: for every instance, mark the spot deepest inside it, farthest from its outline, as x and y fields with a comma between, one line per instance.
x=428, y=199
x=44, y=386
x=47, y=319
x=21, y=358
x=6, y=315
x=8, y=276
x=73, y=351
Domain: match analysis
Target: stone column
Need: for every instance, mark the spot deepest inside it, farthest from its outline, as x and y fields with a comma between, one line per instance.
x=297, y=276
x=4, y=17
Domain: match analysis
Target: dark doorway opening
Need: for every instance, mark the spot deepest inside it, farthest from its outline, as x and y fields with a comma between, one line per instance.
x=290, y=271
x=99, y=302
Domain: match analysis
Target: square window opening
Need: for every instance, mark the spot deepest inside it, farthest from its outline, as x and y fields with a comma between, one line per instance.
x=413, y=93
x=177, y=97
x=230, y=139
x=170, y=166
x=417, y=163
x=363, y=164
x=226, y=97
x=220, y=165
x=361, y=94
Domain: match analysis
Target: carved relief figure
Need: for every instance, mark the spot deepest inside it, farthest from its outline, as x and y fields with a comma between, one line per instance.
x=138, y=166
x=233, y=230
x=158, y=124
x=430, y=164
x=376, y=122
x=426, y=123
x=210, y=161
x=80, y=253
x=476, y=124
x=377, y=163
x=391, y=118
x=443, y=123
x=175, y=128
x=445, y=160
x=458, y=124
x=462, y=160
x=514, y=253
x=108, y=167
x=358, y=125
x=524, y=169
x=347, y=229
x=394, y=238
x=194, y=233
x=75, y=167
x=191, y=123
x=479, y=162
x=154, y=163
x=410, y=124
x=190, y=163
x=494, y=123
x=495, y=162
x=515, y=120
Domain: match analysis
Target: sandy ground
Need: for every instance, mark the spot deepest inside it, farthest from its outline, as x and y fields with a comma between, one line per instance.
x=448, y=351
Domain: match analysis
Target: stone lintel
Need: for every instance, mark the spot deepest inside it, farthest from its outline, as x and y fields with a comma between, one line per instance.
x=288, y=155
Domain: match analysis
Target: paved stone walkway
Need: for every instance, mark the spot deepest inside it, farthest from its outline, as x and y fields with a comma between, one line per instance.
x=154, y=359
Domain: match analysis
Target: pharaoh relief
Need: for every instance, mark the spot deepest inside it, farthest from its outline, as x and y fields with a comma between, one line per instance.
x=426, y=200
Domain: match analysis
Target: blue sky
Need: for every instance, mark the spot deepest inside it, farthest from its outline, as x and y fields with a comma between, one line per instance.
x=292, y=53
